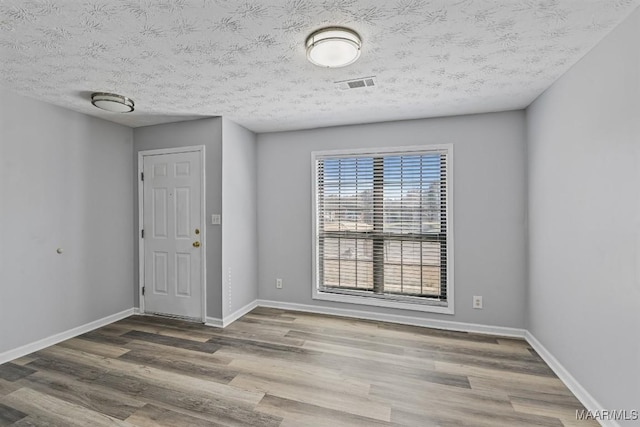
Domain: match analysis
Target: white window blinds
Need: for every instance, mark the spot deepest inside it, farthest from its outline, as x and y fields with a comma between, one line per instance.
x=381, y=224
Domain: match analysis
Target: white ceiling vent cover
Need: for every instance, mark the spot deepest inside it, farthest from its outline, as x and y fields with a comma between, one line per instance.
x=357, y=83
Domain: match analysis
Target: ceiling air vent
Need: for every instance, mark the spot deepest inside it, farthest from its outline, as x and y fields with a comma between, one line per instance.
x=357, y=83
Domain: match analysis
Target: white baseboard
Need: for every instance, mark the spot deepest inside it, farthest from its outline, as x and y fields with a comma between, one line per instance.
x=62, y=336
x=394, y=318
x=216, y=322
x=239, y=313
x=136, y=310
x=589, y=402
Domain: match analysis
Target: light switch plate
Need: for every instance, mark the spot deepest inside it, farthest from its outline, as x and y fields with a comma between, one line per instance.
x=215, y=219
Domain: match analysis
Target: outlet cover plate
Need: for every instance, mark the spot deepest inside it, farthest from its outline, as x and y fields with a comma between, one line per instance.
x=477, y=302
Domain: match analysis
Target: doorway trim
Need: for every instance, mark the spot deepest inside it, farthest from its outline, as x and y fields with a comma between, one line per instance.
x=141, y=248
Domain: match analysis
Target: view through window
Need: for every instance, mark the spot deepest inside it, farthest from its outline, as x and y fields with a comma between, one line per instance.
x=381, y=224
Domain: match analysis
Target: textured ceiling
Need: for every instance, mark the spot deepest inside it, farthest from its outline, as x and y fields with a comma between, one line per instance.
x=182, y=59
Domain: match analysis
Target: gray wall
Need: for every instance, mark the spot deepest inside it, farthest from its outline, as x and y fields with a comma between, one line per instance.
x=239, y=222
x=207, y=132
x=65, y=181
x=584, y=211
x=489, y=209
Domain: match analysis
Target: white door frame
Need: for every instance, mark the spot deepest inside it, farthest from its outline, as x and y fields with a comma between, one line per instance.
x=141, y=154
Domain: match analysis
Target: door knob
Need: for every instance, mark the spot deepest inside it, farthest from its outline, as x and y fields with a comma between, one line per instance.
x=196, y=244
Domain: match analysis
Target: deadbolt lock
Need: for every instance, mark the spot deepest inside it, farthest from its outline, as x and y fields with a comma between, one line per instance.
x=197, y=231
x=196, y=244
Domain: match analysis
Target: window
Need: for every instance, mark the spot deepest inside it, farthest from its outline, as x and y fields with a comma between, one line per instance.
x=381, y=227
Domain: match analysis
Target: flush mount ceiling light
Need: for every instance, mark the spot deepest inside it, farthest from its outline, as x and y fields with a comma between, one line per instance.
x=112, y=102
x=333, y=47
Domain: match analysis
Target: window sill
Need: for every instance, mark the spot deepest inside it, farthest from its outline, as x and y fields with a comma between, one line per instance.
x=379, y=302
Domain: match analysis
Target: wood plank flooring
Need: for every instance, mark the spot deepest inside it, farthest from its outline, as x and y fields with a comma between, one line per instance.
x=283, y=368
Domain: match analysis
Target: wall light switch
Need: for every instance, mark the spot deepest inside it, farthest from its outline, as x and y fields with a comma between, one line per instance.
x=215, y=219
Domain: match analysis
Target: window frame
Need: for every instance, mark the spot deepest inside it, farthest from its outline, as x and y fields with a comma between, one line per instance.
x=414, y=303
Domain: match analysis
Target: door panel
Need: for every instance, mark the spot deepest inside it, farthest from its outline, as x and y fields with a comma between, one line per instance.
x=183, y=216
x=173, y=246
x=160, y=273
x=183, y=274
x=160, y=213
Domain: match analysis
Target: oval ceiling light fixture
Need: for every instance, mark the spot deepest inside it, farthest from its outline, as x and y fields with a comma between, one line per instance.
x=333, y=47
x=112, y=102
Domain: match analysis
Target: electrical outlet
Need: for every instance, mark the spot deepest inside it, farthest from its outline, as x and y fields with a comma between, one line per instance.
x=278, y=283
x=477, y=302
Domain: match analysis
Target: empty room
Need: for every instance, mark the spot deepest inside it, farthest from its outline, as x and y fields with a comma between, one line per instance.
x=320, y=213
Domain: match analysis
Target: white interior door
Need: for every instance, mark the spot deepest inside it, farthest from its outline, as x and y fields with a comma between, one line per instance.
x=172, y=224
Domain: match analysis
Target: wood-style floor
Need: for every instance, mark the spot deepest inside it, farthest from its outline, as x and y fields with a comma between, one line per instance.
x=283, y=368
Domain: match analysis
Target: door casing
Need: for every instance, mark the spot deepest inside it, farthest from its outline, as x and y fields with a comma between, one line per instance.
x=203, y=247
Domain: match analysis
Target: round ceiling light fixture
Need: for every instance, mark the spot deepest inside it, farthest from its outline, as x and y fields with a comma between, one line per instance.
x=333, y=47
x=112, y=102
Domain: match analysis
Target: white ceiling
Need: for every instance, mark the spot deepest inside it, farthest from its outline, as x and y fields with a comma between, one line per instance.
x=182, y=59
